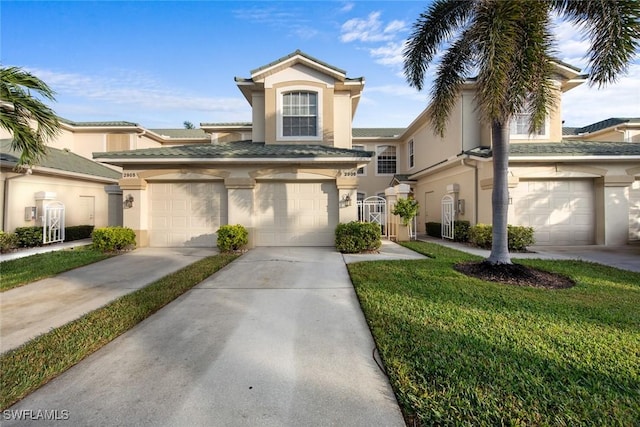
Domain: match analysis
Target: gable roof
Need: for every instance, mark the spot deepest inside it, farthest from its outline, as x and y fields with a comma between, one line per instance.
x=241, y=151
x=62, y=160
x=292, y=56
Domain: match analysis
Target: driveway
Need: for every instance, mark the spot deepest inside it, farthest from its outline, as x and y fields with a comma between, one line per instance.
x=275, y=338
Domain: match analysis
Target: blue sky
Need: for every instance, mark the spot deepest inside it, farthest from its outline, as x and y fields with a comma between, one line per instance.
x=159, y=63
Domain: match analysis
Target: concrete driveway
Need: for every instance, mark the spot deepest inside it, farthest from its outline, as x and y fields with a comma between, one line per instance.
x=276, y=338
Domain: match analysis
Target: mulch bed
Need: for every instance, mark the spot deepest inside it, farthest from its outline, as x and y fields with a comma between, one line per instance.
x=515, y=274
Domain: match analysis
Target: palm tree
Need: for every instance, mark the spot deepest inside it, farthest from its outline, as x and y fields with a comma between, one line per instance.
x=31, y=122
x=510, y=45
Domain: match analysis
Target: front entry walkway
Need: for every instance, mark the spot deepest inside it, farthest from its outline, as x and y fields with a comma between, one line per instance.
x=276, y=338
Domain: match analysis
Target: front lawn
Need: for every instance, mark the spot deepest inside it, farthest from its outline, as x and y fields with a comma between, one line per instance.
x=25, y=270
x=461, y=351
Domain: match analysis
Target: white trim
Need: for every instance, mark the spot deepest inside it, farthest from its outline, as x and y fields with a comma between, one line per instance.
x=376, y=162
x=301, y=88
x=570, y=158
x=185, y=160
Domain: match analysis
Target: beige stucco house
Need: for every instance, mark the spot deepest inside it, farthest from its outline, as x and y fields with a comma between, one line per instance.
x=298, y=169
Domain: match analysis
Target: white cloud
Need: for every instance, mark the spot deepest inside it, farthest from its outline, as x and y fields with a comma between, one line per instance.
x=347, y=7
x=389, y=54
x=370, y=29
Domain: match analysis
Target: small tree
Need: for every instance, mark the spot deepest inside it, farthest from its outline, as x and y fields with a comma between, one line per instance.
x=188, y=125
x=406, y=209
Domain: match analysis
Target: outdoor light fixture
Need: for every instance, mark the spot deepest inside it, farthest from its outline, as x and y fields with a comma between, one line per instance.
x=346, y=200
x=128, y=201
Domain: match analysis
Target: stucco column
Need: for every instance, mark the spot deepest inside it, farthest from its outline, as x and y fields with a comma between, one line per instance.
x=240, y=204
x=347, y=199
x=135, y=206
x=612, y=214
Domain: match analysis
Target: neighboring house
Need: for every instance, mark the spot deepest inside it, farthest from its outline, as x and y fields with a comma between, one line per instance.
x=88, y=190
x=296, y=171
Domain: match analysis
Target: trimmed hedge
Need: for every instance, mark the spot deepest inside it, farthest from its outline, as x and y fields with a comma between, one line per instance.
x=111, y=239
x=77, y=232
x=461, y=231
x=232, y=237
x=519, y=237
x=29, y=237
x=354, y=237
x=434, y=229
x=8, y=242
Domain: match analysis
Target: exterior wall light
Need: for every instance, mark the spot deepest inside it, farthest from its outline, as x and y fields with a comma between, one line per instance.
x=346, y=201
x=128, y=202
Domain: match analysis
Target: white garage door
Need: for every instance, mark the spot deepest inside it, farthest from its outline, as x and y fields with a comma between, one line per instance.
x=295, y=214
x=634, y=211
x=186, y=213
x=562, y=212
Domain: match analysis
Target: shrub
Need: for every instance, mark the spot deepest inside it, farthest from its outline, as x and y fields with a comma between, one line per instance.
x=8, y=242
x=519, y=237
x=406, y=209
x=354, y=237
x=232, y=237
x=77, y=232
x=461, y=231
x=110, y=239
x=434, y=229
x=29, y=237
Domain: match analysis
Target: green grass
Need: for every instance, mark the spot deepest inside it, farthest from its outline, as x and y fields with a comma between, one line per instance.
x=461, y=351
x=28, y=367
x=25, y=270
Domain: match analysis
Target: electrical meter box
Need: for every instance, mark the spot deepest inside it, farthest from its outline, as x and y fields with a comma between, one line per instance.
x=30, y=213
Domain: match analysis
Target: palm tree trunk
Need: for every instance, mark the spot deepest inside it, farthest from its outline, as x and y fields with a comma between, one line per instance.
x=500, y=194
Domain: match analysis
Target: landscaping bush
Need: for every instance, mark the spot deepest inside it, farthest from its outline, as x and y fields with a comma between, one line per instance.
x=110, y=239
x=232, y=237
x=29, y=237
x=354, y=237
x=8, y=242
x=77, y=232
x=519, y=237
x=461, y=231
x=434, y=229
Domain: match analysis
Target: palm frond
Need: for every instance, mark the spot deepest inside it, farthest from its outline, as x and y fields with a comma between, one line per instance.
x=433, y=27
x=613, y=29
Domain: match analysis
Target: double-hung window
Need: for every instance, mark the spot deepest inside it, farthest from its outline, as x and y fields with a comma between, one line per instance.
x=386, y=160
x=519, y=127
x=300, y=114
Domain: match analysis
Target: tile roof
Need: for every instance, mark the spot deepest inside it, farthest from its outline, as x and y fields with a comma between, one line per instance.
x=182, y=133
x=574, y=148
x=376, y=132
x=236, y=150
x=228, y=124
x=62, y=160
x=301, y=53
x=603, y=124
x=97, y=124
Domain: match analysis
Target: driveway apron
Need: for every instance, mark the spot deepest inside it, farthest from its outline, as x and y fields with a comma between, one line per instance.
x=276, y=338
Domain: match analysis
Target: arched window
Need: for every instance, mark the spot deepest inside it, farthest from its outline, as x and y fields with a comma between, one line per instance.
x=299, y=114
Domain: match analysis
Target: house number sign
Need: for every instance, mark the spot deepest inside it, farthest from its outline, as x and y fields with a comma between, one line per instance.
x=349, y=172
x=129, y=174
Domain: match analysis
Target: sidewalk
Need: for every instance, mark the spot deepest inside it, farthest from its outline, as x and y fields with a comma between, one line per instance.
x=21, y=253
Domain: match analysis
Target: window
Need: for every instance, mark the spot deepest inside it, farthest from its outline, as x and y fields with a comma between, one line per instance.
x=519, y=127
x=361, y=171
x=410, y=148
x=299, y=114
x=386, y=159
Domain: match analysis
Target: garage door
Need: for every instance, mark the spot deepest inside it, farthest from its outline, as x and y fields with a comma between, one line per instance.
x=295, y=214
x=562, y=212
x=186, y=213
x=634, y=211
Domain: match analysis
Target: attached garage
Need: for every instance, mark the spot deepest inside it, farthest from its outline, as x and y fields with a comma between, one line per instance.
x=295, y=213
x=634, y=211
x=186, y=213
x=561, y=211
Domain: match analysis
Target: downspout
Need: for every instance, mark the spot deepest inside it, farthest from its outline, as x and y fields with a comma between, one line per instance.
x=5, y=201
x=475, y=187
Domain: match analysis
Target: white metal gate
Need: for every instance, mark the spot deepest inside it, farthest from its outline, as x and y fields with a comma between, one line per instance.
x=374, y=209
x=448, y=217
x=53, y=223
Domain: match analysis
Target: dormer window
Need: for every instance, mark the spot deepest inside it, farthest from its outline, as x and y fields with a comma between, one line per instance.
x=519, y=127
x=299, y=114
